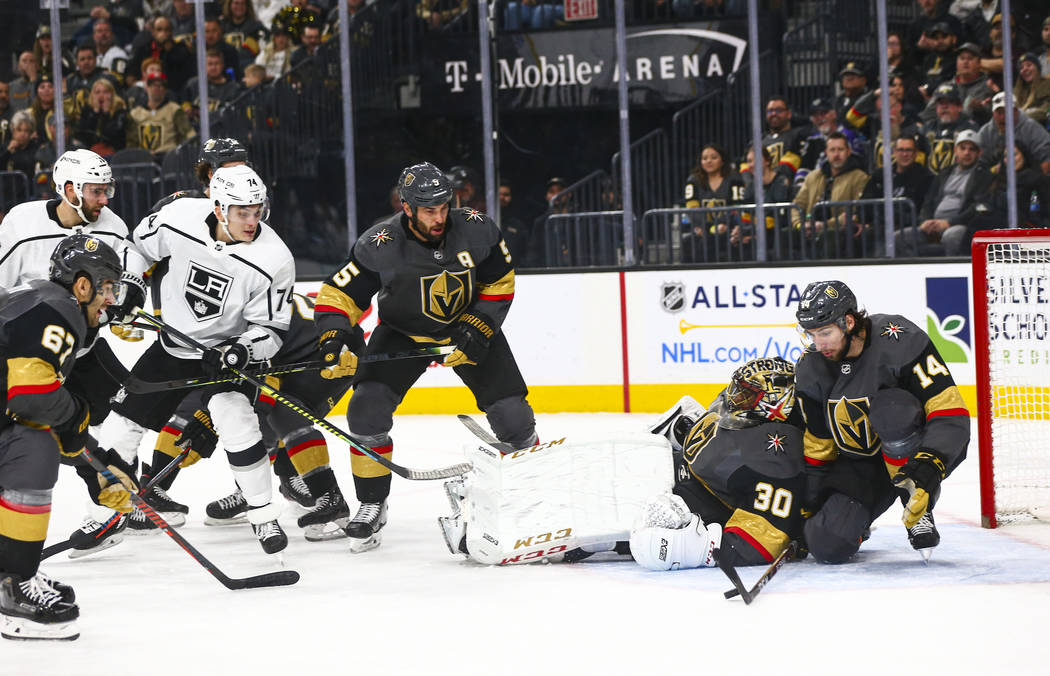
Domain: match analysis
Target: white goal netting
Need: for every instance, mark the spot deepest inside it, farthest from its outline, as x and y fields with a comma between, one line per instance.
x=1018, y=278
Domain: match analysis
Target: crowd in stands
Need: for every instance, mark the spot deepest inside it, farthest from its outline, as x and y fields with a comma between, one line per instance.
x=947, y=122
x=130, y=74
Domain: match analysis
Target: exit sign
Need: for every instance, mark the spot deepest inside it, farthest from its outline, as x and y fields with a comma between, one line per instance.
x=581, y=10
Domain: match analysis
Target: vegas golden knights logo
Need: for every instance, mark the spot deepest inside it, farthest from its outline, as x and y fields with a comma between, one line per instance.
x=700, y=436
x=851, y=426
x=942, y=154
x=150, y=135
x=445, y=295
x=776, y=151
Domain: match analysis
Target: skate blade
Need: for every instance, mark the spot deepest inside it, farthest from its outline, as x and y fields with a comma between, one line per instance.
x=111, y=541
x=361, y=545
x=213, y=521
x=926, y=554
x=321, y=532
x=21, y=629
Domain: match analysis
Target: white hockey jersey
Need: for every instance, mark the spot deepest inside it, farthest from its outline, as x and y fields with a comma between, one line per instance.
x=213, y=291
x=31, y=231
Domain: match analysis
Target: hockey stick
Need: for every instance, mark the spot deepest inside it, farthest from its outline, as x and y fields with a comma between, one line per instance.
x=486, y=436
x=749, y=594
x=277, y=579
x=139, y=386
x=406, y=472
x=81, y=539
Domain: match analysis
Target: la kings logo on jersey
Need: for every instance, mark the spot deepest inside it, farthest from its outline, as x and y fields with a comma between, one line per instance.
x=206, y=291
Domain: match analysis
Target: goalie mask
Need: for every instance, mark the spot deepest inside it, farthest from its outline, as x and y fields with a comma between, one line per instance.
x=81, y=167
x=762, y=390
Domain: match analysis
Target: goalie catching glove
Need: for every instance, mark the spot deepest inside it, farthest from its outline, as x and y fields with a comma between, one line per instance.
x=921, y=477
x=337, y=355
x=116, y=496
x=472, y=335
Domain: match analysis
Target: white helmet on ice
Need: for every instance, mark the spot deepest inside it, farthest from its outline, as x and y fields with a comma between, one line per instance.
x=79, y=167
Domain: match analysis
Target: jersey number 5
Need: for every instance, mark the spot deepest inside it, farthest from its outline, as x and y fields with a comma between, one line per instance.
x=55, y=338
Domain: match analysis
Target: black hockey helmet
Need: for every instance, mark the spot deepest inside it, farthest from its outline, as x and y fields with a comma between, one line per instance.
x=762, y=390
x=424, y=185
x=460, y=176
x=824, y=303
x=218, y=151
x=87, y=256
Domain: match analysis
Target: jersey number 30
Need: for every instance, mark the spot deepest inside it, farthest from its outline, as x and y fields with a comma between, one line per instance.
x=55, y=338
x=777, y=502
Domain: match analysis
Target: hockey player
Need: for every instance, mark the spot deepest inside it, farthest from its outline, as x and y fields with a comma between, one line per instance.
x=852, y=478
x=738, y=485
x=216, y=153
x=444, y=276
x=28, y=236
x=227, y=284
x=741, y=481
x=42, y=324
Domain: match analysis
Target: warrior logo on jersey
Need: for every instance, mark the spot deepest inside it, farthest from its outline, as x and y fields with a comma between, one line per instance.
x=382, y=237
x=206, y=291
x=445, y=295
x=672, y=296
x=851, y=427
x=892, y=330
x=700, y=436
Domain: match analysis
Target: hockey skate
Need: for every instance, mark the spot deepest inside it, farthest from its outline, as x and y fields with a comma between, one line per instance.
x=264, y=524
x=226, y=511
x=94, y=536
x=328, y=519
x=294, y=489
x=363, y=529
x=675, y=423
x=34, y=609
x=923, y=536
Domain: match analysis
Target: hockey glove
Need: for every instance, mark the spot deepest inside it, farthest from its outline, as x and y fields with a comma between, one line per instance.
x=200, y=436
x=336, y=354
x=115, y=496
x=73, y=435
x=472, y=335
x=134, y=299
x=921, y=477
x=230, y=354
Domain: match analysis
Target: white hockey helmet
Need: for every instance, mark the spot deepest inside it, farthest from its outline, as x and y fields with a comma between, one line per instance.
x=237, y=186
x=79, y=167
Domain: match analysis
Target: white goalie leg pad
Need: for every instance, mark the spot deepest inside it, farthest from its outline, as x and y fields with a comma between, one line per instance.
x=537, y=503
x=692, y=546
x=122, y=435
x=235, y=421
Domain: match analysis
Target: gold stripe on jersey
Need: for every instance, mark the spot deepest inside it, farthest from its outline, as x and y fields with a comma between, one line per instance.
x=25, y=526
x=949, y=399
x=501, y=287
x=816, y=448
x=29, y=372
x=855, y=118
x=309, y=455
x=333, y=297
x=166, y=442
x=792, y=160
x=771, y=538
x=432, y=341
x=366, y=468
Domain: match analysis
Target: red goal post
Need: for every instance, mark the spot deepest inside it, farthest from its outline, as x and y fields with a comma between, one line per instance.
x=1011, y=302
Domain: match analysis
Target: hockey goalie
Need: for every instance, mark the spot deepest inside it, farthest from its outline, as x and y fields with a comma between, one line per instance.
x=728, y=478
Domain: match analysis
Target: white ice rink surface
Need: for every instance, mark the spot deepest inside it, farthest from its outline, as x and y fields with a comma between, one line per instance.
x=982, y=605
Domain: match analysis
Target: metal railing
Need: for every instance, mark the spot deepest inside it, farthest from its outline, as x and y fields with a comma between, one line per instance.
x=651, y=178
x=14, y=189
x=849, y=230
x=138, y=187
x=716, y=234
x=584, y=239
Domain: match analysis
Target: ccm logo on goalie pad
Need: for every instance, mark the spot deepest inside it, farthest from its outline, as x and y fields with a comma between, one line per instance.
x=525, y=451
x=206, y=291
x=534, y=555
x=543, y=538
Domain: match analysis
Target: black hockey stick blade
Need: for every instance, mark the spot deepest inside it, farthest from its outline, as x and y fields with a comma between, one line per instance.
x=749, y=594
x=405, y=472
x=81, y=539
x=277, y=579
x=483, y=434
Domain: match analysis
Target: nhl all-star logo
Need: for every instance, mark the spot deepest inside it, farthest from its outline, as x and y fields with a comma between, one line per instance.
x=672, y=296
x=206, y=291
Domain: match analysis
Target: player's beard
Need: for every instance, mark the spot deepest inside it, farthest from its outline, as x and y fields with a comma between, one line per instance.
x=426, y=234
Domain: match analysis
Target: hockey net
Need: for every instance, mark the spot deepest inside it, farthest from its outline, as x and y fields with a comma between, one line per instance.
x=1011, y=298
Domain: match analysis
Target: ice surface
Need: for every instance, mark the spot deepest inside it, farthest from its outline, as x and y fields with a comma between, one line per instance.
x=409, y=607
